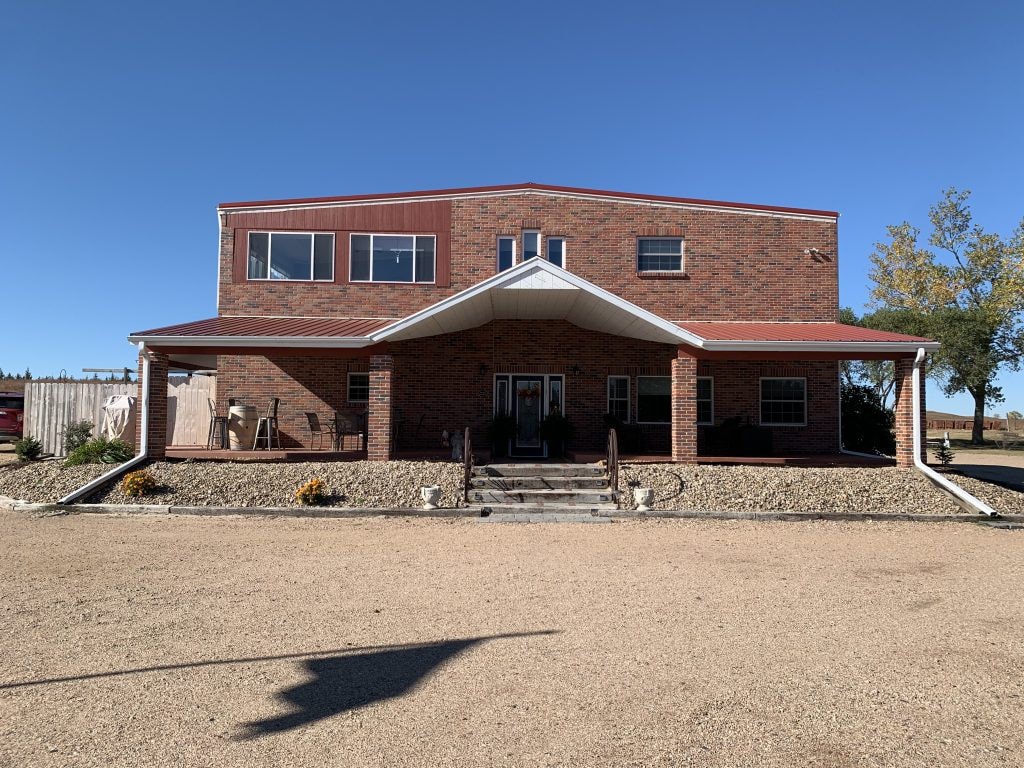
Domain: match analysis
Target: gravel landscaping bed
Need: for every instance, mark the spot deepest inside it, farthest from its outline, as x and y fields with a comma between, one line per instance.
x=46, y=481
x=252, y=484
x=163, y=641
x=1002, y=500
x=879, y=490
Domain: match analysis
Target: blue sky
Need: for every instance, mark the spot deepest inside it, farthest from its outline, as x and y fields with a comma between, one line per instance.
x=125, y=124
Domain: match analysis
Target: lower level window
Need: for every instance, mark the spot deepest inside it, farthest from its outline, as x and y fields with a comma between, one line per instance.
x=358, y=387
x=618, y=397
x=783, y=401
x=654, y=399
x=705, y=400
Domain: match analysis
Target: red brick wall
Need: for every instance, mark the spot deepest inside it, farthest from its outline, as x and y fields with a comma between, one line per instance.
x=310, y=383
x=448, y=381
x=737, y=392
x=157, y=424
x=738, y=266
x=684, y=408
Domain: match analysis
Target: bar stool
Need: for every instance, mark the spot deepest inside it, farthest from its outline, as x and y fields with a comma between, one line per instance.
x=218, y=427
x=268, y=423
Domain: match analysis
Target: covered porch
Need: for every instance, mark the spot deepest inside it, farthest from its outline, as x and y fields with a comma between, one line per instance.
x=528, y=343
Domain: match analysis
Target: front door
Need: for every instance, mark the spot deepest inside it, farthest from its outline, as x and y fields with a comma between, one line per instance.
x=527, y=411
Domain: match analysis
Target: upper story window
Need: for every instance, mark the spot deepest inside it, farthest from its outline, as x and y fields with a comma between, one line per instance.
x=531, y=244
x=556, y=251
x=659, y=254
x=392, y=259
x=506, y=252
x=291, y=256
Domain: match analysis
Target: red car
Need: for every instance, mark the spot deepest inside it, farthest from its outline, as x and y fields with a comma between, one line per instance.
x=12, y=416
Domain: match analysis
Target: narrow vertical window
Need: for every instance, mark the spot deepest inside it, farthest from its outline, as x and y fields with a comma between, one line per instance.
x=705, y=400
x=556, y=251
x=618, y=398
x=531, y=244
x=506, y=253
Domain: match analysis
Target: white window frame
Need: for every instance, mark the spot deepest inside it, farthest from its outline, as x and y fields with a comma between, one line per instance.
x=348, y=386
x=682, y=255
x=547, y=249
x=270, y=256
x=497, y=251
x=372, y=235
x=629, y=401
x=540, y=243
x=760, y=402
x=712, y=400
x=638, y=399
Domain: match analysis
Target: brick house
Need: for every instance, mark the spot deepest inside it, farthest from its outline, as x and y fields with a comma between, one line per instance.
x=689, y=322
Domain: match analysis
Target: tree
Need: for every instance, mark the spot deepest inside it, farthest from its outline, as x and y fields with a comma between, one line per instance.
x=867, y=423
x=971, y=299
x=1013, y=420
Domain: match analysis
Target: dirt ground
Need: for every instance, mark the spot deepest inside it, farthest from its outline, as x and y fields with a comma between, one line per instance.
x=162, y=641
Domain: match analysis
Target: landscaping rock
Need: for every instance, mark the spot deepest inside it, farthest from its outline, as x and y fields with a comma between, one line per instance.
x=46, y=481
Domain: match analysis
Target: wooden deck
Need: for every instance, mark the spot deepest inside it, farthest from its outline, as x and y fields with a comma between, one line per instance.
x=201, y=453
x=814, y=460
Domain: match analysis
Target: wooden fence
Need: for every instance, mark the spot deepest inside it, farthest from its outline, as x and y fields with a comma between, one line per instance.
x=50, y=407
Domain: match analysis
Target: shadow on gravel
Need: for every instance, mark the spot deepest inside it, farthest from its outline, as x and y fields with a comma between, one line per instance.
x=350, y=681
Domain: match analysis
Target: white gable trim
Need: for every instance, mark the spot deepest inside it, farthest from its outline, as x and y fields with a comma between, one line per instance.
x=561, y=280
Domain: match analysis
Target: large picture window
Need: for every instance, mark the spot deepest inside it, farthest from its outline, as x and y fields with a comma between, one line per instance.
x=705, y=400
x=291, y=256
x=392, y=259
x=783, y=401
x=654, y=399
x=659, y=254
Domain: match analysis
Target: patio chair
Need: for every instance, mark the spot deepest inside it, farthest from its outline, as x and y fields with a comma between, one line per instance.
x=346, y=425
x=266, y=427
x=218, y=427
x=317, y=430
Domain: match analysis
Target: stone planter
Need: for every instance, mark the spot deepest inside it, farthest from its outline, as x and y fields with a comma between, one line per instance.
x=643, y=498
x=431, y=495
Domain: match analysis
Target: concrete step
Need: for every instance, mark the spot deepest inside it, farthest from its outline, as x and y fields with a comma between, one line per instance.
x=541, y=496
x=544, y=509
x=559, y=517
x=496, y=483
x=539, y=470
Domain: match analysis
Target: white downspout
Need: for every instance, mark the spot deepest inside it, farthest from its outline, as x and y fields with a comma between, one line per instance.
x=923, y=468
x=143, y=454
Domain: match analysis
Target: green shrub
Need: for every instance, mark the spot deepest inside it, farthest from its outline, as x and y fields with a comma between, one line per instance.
x=945, y=455
x=99, y=450
x=28, y=449
x=76, y=435
x=867, y=424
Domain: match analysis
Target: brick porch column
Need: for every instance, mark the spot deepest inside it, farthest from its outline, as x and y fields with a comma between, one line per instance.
x=378, y=426
x=684, y=408
x=905, y=413
x=157, y=426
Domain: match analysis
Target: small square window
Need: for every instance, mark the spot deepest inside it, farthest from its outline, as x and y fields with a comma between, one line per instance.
x=659, y=254
x=531, y=244
x=506, y=253
x=784, y=401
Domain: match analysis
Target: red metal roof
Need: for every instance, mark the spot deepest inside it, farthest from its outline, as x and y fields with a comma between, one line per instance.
x=294, y=327
x=522, y=187
x=827, y=332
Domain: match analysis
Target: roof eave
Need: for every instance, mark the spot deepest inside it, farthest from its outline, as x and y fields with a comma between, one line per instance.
x=296, y=342
x=819, y=346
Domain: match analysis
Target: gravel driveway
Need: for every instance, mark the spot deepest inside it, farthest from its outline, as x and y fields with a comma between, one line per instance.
x=230, y=642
